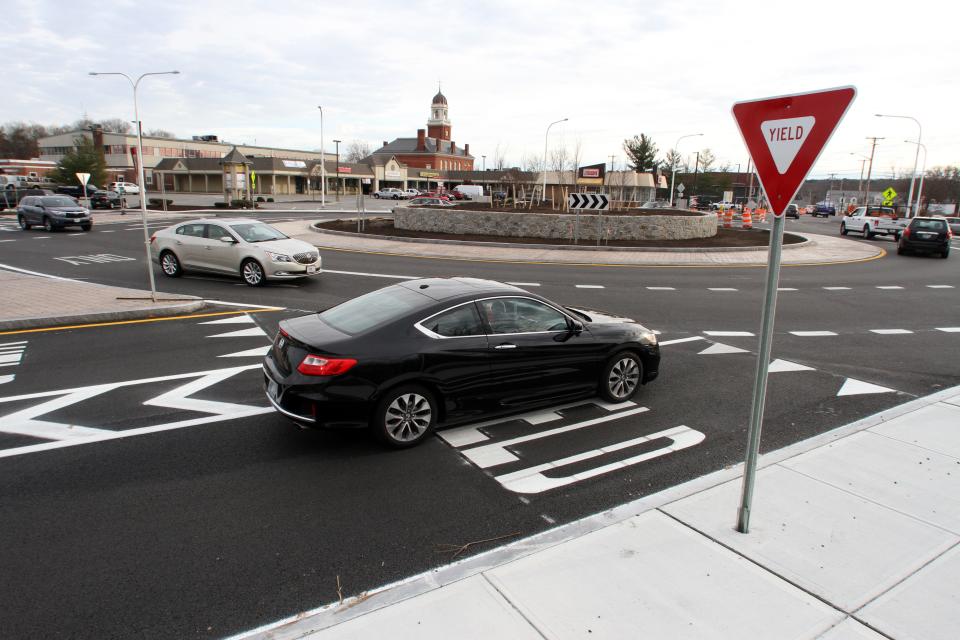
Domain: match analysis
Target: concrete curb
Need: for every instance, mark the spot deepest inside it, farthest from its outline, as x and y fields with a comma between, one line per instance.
x=806, y=243
x=102, y=316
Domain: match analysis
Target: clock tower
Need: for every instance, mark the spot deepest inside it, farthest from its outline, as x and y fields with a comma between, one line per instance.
x=438, y=125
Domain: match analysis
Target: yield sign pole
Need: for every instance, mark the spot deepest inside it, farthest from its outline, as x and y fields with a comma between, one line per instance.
x=784, y=136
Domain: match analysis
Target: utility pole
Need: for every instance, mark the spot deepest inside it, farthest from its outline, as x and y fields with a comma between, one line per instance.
x=696, y=169
x=873, y=147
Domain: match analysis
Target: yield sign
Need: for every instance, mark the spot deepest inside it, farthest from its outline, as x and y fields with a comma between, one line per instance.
x=786, y=134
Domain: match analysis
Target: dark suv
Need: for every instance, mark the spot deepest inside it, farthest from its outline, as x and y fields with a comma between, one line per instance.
x=824, y=209
x=793, y=211
x=926, y=234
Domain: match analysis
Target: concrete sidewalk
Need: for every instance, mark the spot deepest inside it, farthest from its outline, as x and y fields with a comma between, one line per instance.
x=854, y=535
x=819, y=249
x=32, y=301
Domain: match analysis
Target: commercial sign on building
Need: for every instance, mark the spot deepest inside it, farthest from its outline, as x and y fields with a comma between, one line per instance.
x=429, y=174
x=591, y=174
x=344, y=169
x=295, y=164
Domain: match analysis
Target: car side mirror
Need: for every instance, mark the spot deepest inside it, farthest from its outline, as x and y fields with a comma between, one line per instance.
x=227, y=240
x=575, y=327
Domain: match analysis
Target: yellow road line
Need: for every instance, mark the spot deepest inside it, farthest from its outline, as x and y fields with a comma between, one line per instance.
x=141, y=321
x=883, y=252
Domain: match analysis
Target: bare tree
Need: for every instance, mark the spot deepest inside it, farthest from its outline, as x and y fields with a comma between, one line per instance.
x=499, y=156
x=707, y=160
x=160, y=133
x=356, y=151
x=114, y=125
x=530, y=162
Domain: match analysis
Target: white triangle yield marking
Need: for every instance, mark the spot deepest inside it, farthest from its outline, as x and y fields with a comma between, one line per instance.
x=721, y=348
x=781, y=366
x=7, y=378
x=249, y=353
x=853, y=387
x=785, y=137
x=242, y=333
x=240, y=319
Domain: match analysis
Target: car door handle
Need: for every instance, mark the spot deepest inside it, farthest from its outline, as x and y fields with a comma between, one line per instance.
x=179, y=242
x=506, y=345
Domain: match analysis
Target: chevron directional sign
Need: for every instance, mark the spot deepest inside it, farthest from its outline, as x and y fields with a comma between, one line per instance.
x=588, y=201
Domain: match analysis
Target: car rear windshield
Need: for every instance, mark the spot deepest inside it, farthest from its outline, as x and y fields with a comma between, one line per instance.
x=257, y=232
x=58, y=202
x=373, y=309
x=930, y=225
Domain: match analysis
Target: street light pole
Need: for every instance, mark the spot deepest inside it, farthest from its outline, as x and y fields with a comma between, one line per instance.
x=673, y=175
x=337, y=142
x=916, y=156
x=863, y=162
x=873, y=147
x=543, y=195
x=143, y=180
x=323, y=165
x=484, y=162
x=923, y=172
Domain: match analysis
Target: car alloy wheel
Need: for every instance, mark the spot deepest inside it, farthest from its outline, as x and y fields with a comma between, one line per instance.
x=405, y=416
x=621, y=377
x=170, y=265
x=23, y=223
x=252, y=273
x=47, y=224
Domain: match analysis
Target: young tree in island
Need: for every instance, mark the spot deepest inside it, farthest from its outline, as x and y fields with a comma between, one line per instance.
x=641, y=153
x=83, y=158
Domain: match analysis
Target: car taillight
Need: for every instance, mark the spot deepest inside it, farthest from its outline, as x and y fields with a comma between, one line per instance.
x=153, y=238
x=906, y=232
x=320, y=366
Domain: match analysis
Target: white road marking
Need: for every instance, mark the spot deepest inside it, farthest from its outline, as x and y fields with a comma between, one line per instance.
x=940, y=286
x=105, y=231
x=243, y=304
x=661, y=288
x=890, y=332
x=721, y=289
x=783, y=366
x=718, y=348
x=852, y=387
x=532, y=480
x=97, y=258
x=7, y=240
x=813, y=334
x=889, y=286
x=372, y=275
x=42, y=238
x=7, y=378
x=590, y=286
x=490, y=455
x=249, y=353
x=836, y=288
x=524, y=284
x=70, y=435
x=679, y=340
x=949, y=329
x=242, y=333
x=238, y=319
x=785, y=289
x=731, y=334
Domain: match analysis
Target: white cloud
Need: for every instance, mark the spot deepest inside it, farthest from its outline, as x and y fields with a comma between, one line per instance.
x=615, y=69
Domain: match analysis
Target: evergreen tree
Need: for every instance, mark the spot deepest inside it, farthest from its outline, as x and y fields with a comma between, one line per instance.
x=83, y=158
x=641, y=153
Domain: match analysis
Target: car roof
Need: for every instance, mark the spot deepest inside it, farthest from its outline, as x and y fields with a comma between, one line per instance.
x=216, y=221
x=445, y=288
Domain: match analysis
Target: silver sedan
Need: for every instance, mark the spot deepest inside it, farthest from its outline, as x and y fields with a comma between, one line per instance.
x=249, y=248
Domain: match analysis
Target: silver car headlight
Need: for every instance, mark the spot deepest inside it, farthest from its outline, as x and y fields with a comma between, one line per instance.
x=649, y=337
x=279, y=257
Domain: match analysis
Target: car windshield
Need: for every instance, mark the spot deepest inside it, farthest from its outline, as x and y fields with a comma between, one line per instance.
x=58, y=201
x=257, y=232
x=930, y=225
x=372, y=309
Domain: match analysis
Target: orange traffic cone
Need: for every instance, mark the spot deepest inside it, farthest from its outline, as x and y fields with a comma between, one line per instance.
x=728, y=219
x=747, y=219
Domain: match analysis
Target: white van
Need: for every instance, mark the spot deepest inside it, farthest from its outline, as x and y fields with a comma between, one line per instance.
x=13, y=182
x=472, y=191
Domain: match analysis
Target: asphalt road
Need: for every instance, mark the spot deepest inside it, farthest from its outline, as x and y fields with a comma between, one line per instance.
x=198, y=512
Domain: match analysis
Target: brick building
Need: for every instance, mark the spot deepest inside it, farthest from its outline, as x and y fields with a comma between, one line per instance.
x=432, y=149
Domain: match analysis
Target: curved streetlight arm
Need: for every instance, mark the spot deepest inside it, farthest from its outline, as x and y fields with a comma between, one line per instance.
x=916, y=157
x=673, y=173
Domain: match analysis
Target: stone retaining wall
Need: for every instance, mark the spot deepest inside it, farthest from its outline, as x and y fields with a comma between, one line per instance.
x=560, y=226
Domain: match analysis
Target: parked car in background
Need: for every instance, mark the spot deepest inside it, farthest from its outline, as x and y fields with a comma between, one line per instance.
x=723, y=204
x=416, y=355
x=792, y=211
x=124, y=187
x=655, y=204
x=76, y=190
x=52, y=212
x=871, y=221
x=411, y=193
x=954, y=223
x=390, y=193
x=423, y=201
x=928, y=235
x=105, y=200
x=823, y=209
x=470, y=191
x=249, y=248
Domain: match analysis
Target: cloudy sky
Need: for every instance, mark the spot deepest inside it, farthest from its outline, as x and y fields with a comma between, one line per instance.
x=256, y=71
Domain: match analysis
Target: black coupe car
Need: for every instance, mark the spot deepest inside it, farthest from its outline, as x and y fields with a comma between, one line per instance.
x=409, y=357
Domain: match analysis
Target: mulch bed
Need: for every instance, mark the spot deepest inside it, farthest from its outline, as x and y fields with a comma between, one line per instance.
x=724, y=237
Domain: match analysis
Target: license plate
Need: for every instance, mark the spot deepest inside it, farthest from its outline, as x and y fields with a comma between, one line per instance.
x=927, y=236
x=312, y=269
x=272, y=389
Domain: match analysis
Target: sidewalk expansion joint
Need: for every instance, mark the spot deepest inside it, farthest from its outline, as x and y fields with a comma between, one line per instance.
x=513, y=606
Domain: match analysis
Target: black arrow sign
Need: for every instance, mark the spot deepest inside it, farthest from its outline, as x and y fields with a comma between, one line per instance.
x=588, y=201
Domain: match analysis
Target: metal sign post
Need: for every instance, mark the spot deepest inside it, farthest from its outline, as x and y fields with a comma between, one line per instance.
x=595, y=201
x=784, y=135
x=83, y=178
